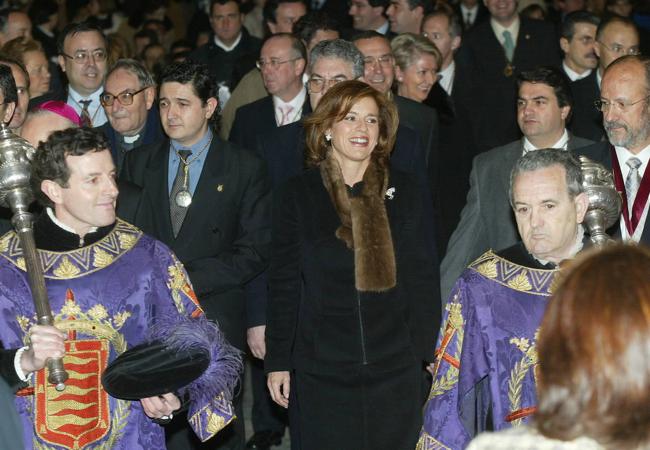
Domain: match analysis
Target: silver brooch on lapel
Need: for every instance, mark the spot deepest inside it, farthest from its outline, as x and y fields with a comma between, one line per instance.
x=390, y=193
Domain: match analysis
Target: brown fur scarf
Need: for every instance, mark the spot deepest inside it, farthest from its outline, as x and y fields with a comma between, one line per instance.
x=364, y=224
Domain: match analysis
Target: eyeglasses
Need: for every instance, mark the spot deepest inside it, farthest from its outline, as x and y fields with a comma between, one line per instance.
x=125, y=98
x=317, y=84
x=273, y=63
x=605, y=105
x=435, y=36
x=384, y=60
x=82, y=56
x=620, y=50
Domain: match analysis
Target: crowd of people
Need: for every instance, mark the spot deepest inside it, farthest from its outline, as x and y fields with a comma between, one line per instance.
x=380, y=202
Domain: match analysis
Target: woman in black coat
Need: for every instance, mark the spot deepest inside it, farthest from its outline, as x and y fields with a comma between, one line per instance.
x=352, y=311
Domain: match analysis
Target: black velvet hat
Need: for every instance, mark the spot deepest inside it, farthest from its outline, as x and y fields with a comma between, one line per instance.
x=153, y=369
x=186, y=356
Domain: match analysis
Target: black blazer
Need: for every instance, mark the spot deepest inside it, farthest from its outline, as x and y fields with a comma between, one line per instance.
x=422, y=119
x=225, y=238
x=601, y=153
x=489, y=93
x=482, y=15
x=256, y=119
x=586, y=120
x=316, y=318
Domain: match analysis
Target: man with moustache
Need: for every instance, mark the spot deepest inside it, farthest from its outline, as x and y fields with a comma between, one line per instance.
x=578, y=42
x=83, y=58
x=486, y=222
x=615, y=37
x=626, y=119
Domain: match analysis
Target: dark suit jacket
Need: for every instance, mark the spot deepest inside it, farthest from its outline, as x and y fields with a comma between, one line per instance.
x=314, y=311
x=225, y=238
x=152, y=133
x=422, y=119
x=491, y=94
x=222, y=64
x=486, y=221
x=482, y=15
x=600, y=152
x=586, y=120
x=256, y=119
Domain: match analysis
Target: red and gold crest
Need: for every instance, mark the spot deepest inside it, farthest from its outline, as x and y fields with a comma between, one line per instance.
x=79, y=415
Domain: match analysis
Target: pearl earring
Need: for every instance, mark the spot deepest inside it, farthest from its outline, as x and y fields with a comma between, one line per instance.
x=328, y=137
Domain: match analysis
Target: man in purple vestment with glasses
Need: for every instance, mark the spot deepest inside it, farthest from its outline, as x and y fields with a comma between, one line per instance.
x=109, y=285
x=484, y=372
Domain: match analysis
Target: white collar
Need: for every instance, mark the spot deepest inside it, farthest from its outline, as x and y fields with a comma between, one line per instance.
x=573, y=75
x=562, y=143
x=296, y=103
x=513, y=29
x=76, y=96
x=60, y=224
x=624, y=154
x=384, y=28
x=447, y=77
x=466, y=10
x=227, y=48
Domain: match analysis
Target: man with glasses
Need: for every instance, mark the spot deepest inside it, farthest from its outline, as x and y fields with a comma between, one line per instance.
x=379, y=72
x=578, y=42
x=626, y=119
x=128, y=101
x=82, y=56
x=282, y=62
x=615, y=37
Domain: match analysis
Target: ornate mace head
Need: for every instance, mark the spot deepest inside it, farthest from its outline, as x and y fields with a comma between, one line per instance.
x=15, y=156
x=604, y=200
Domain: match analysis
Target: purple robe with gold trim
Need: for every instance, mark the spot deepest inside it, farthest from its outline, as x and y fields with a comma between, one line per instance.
x=485, y=354
x=106, y=296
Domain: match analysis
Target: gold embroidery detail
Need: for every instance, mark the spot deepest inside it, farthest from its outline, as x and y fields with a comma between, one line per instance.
x=20, y=262
x=126, y=240
x=453, y=326
x=120, y=318
x=4, y=242
x=488, y=269
x=520, y=282
x=66, y=269
x=70, y=308
x=98, y=312
x=23, y=322
x=176, y=284
x=427, y=442
x=519, y=371
x=102, y=258
x=215, y=423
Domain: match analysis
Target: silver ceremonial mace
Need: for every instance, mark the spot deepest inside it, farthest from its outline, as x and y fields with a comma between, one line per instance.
x=604, y=201
x=16, y=193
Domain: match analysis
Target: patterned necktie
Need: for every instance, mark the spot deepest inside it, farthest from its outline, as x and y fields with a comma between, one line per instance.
x=632, y=181
x=86, y=121
x=468, y=20
x=508, y=45
x=177, y=211
x=286, y=110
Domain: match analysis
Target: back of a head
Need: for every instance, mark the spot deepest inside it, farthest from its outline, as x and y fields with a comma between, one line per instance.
x=594, y=351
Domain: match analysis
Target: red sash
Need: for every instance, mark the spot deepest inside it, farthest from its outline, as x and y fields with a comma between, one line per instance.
x=641, y=196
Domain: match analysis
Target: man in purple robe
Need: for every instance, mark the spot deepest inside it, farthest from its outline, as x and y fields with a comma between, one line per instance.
x=484, y=372
x=108, y=285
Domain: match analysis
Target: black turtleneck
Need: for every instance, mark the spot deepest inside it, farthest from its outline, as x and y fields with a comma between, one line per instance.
x=51, y=237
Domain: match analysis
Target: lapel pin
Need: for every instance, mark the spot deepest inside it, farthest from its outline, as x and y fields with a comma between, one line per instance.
x=219, y=187
x=528, y=36
x=390, y=193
